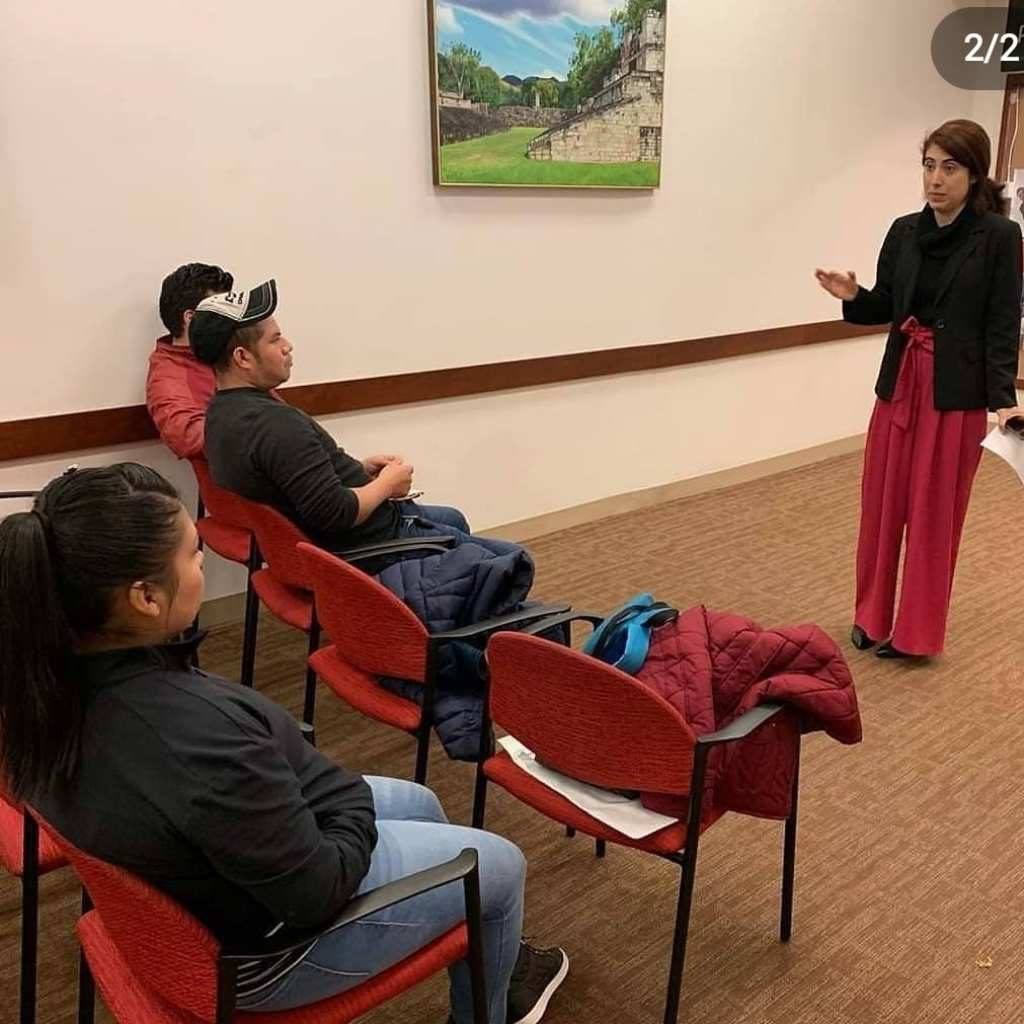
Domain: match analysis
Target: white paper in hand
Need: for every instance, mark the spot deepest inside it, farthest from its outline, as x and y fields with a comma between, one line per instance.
x=619, y=812
x=1009, y=447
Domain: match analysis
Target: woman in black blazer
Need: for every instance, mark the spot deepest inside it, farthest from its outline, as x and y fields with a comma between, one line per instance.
x=949, y=282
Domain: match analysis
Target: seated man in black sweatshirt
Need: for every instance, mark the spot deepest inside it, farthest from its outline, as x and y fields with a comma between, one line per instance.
x=268, y=451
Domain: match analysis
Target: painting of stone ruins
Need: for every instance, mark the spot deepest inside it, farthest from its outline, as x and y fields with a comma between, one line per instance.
x=558, y=93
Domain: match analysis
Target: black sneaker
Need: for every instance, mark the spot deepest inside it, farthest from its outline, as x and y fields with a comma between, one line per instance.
x=538, y=972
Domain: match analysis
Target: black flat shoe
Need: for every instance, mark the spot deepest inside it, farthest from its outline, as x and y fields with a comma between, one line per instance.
x=887, y=650
x=861, y=640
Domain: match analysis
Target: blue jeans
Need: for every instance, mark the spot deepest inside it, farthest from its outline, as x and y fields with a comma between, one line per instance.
x=434, y=520
x=439, y=515
x=413, y=834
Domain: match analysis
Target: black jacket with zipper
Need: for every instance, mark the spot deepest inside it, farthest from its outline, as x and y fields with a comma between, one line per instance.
x=977, y=312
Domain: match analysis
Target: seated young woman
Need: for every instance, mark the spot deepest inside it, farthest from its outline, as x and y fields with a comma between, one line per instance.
x=205, y=788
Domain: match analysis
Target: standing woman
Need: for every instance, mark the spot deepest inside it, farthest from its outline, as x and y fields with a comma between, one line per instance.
x=949, y=281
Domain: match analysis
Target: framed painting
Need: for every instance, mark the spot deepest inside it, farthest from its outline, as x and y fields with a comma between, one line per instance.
x=547, y=93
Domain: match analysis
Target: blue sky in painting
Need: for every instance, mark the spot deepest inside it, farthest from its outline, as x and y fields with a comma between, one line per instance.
x=521, y=37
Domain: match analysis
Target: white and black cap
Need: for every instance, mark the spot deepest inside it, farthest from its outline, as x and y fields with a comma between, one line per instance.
x=218, y=317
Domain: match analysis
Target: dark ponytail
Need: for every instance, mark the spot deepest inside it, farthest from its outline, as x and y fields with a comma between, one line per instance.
x=968, y=144
x=89, y=534
x=990, y=197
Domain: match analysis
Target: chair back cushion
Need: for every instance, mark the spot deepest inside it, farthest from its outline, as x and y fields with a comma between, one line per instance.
x=220, y=503
x=278, y=537
x=370, y=627
x=166, y=948
x=587, y=719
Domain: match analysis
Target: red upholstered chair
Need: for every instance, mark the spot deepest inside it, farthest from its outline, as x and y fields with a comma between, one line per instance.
x=590, y=721
x=156, y=964
x=222, y=526
x=284, y=585
x=374, y=636
x=26, y=855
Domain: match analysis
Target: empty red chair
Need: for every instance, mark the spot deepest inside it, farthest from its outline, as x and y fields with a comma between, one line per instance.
x=156, y=964
x=222, y=527
x=588, y=720
x=284, y=585
x=374, y=636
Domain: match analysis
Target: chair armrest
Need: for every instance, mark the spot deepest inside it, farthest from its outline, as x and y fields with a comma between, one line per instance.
x=397, y=547
x=498, y=623
x=748, y=722
x=18, y=494
x=371, y=902
x=562, y=619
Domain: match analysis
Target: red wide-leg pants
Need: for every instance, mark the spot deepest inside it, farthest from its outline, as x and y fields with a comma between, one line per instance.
x=919, y=465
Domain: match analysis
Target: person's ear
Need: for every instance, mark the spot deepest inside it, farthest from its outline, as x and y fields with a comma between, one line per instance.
x=186, y=318
x=142, y=600
x=240, y=357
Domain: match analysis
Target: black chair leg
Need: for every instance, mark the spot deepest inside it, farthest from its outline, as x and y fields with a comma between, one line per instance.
x=86, y=985
x=682, y=931
x=479, y=796
x=309, y=705
x=29, y=919
x=422, y=751
x=250, y=631
x=679, y=937
x=475, y=958
x=789, y=859
x=599, y=848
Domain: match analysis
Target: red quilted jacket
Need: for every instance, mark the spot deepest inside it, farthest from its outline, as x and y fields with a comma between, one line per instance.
x=714, y=666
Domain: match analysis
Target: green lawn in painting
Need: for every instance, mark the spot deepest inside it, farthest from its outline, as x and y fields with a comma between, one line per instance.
x=501, y=160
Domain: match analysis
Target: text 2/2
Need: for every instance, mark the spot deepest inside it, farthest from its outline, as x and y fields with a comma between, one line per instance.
x=1007, y=45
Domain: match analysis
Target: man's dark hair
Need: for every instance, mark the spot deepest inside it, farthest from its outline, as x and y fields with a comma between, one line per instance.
x=245, y=337
x=186, y=288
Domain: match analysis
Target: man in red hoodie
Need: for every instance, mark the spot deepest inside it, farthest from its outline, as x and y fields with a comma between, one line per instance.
x=178, y=386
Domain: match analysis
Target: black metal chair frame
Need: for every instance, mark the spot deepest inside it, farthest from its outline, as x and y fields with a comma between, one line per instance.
x=744, y=726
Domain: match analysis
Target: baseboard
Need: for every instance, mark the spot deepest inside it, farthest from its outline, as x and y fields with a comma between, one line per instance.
x=230, y=609
x=579, y=515
x=221, y=611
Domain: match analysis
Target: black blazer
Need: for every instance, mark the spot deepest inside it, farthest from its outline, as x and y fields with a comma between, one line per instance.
x=977, y=312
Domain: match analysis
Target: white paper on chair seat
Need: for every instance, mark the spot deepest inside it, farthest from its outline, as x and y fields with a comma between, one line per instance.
x=1008, y=446
x=616, y=811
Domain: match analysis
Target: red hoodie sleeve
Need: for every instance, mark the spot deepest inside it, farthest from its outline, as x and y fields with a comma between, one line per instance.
x=177, y=397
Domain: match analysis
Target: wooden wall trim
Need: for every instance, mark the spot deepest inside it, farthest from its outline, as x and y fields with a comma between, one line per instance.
x=118, y=427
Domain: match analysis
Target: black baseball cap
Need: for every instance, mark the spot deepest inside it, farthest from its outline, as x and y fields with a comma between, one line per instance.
x=218, y=317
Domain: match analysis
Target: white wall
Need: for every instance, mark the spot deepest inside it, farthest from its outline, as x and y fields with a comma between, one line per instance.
x=134, y=138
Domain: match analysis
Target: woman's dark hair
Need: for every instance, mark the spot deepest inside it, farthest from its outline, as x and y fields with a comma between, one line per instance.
x=185, y=288
x=968, y=144
x=90, y=532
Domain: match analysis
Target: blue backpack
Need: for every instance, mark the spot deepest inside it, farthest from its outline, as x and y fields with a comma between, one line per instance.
x=624, y=638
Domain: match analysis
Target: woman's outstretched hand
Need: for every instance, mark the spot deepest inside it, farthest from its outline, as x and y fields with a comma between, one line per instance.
x=836, y=283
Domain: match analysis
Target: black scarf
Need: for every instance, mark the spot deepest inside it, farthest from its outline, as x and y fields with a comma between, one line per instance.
x=938, y=243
